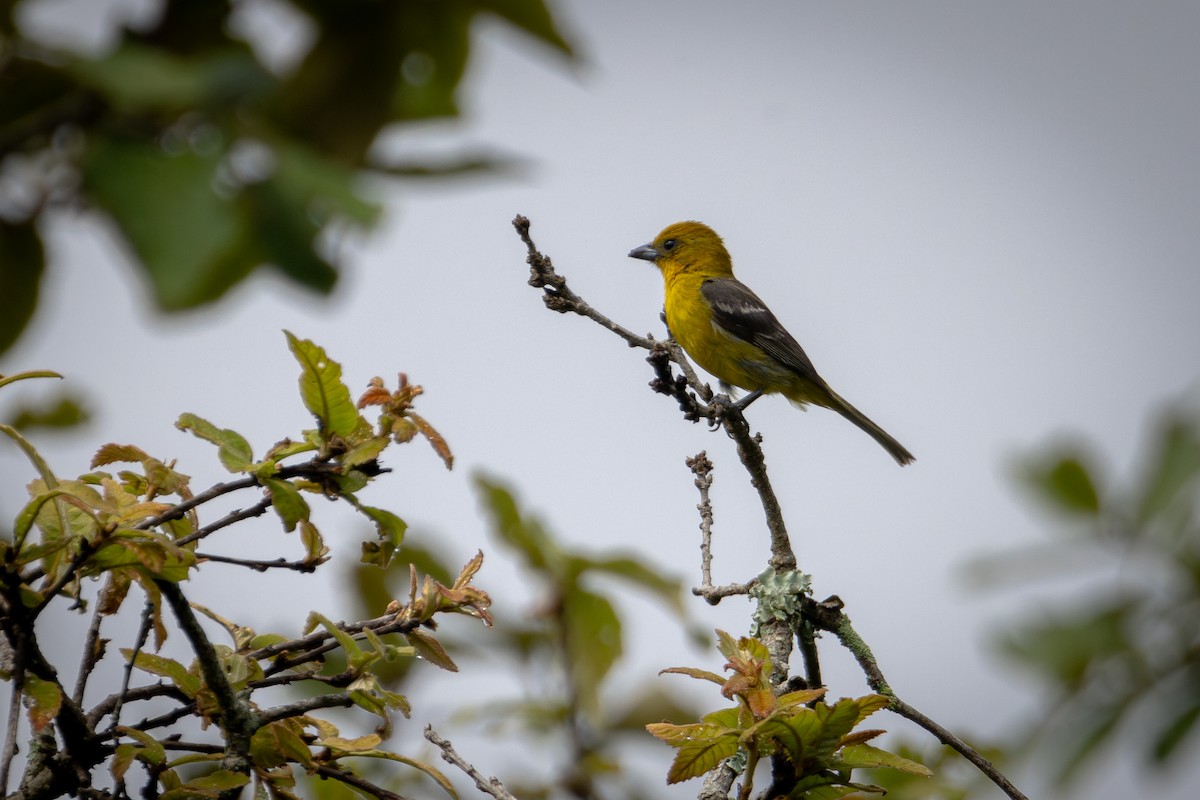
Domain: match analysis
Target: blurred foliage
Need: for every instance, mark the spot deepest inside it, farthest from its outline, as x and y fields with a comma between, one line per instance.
x=211, y=162
x=63, y=412
x=565, y=650
x=1125, y=654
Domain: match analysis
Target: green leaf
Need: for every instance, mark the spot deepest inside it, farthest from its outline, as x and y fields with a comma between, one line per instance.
x=433, y=772
x=525, y=536
x=306, y=176
x=29, y=513
x=117, y=454
x=1176, y=732
x=388, y=526
x=277, y=743
x=233, y=450
x=700, y=747
x=65, y=412
x=798, y=734
x=32, y=454
x=322, y=390
x=349, y=646
x=593, y=637
x=211, y=785
x=314, y=545
x=640, y=574
x=154, y=554
x=137, y=77
x=287, y=501
x=188, y=246
x=22, y=260
x=285, y=233
x=431, y=650
x=362, y=453
x=164, y=667
x=43, y=699
x=5, y=380
x=691, y=672
x=1066, y=483
x=1175, y=465
x=864, y=756
x=836, y=721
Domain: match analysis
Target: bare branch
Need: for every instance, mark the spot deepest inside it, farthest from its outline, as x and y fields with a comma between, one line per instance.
x=10, y=735
x=558, y=297
x=256, y=510
x=358, y=782
x=491, y=786
x=827, y=615
x=701, y=467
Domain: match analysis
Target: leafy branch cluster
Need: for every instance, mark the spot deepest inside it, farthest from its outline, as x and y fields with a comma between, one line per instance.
x=142, y=526
x=817, y=739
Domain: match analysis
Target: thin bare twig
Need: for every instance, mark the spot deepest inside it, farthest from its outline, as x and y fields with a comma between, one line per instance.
x=142, y=635
x=715, y=594
x=491, y=786
x=304, y=706
x=702, y=468
x=256, y=510
x=91, y=655
x=358, y=782
x=559, y=297
x=262, y=565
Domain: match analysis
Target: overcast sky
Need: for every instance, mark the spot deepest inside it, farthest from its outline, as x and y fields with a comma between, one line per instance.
x=980, y=220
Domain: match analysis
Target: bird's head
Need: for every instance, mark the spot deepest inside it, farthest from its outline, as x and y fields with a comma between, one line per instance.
x=687, y=247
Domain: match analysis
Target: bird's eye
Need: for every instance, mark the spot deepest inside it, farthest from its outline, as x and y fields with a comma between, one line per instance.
x=669, y=244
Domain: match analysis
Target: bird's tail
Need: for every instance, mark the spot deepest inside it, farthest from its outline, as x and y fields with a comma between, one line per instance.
x=877, y=433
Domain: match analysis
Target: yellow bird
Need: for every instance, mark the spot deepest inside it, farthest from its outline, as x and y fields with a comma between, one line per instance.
x=730, y=332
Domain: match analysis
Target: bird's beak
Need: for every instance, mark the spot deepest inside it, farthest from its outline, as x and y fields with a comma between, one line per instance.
x=646, y=252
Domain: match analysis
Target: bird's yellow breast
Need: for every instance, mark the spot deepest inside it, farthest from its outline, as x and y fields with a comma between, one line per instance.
x=731, y=360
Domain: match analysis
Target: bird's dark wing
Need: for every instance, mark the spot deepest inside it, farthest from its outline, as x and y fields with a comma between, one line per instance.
x=739, y=311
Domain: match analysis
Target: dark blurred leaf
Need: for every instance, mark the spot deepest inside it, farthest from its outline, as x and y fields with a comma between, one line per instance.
x=435, y=40
x=33, y=94
x=323, y=188
x=1064, y=650
x=135, y=77
x=531, y=16
x=185, y=234
x=1177, y=731
x=1174, y=465
x=286, y=236
x=640, y=574
x=66, y=412
x=340, y=96
x=593, y=636
x=22, y=260
x=467, y=165
x=1066, y=483
x=525, y=536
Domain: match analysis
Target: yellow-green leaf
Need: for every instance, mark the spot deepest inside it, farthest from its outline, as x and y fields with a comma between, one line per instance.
x=43, y=699
x=321, y=388
x=233, y=450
